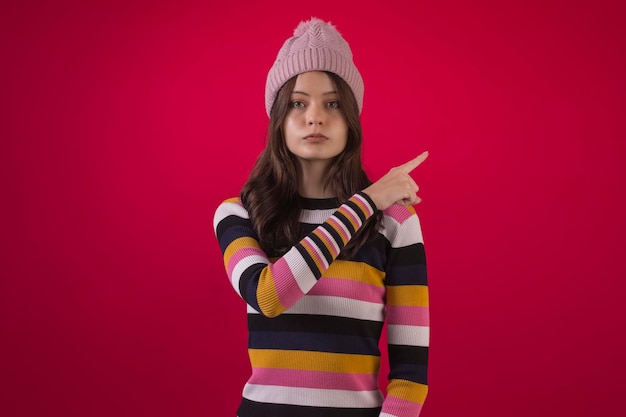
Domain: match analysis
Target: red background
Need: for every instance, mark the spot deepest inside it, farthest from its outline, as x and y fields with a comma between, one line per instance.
x=124, y=124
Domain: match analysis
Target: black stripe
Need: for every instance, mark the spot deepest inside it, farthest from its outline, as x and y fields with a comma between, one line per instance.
x=359, y=212
x=333, y=233
x=318, y=203
x=306, y=228
x=409, y=363
x=231, y=228
x=416, y=355
x=315, y=324
x=343, y=219
x=322, y=246
x=407, y=255
x=309, y=261
x=250, y=408
x=373, y=254
x=314, y=342
x=368, y=199
x=407, y=275
x=249, y=282
x=413, y=373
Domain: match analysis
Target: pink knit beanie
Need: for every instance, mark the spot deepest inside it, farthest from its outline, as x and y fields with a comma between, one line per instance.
x=315, y=46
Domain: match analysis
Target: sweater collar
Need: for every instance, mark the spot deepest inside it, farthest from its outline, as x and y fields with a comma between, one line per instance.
x=318, y=203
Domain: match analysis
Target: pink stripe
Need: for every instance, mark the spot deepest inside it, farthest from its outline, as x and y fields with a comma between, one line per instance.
x=349, y=289
x=313, y=251
x=399, y=407
x=364, y=204
x=314, y=379
x=241, y=254
x=409, y=315
x=355, y=220
x=339, y=228
x=285, y=283
x=399, y=213
x=326, y=237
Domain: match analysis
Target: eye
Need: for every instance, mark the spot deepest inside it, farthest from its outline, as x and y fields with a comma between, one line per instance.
x=334, y=104
x=296, y=104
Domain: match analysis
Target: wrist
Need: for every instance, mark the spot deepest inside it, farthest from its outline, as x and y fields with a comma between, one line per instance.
x=367, y=196
x=372, y=197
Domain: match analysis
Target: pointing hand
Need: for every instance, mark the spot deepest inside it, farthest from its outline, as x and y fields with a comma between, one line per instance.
x=397, y=186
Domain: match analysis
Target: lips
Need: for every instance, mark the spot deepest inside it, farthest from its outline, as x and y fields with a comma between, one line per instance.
x=315, y=137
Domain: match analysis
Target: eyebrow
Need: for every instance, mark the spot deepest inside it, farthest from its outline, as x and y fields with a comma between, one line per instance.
x=307, y=94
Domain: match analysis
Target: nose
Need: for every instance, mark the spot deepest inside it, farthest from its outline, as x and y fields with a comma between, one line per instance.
x=315, y=114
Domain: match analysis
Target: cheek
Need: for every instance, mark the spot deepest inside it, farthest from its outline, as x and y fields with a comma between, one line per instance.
x=344, y=133
x=288, y=131
x=290, y=125
x=289, y=135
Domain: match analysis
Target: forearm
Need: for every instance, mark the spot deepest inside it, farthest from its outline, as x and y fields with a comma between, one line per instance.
x=273, y=287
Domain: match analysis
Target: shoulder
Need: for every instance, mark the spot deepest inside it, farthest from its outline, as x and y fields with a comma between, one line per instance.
x=229, y=207
x=401, y=225
x=399, y=214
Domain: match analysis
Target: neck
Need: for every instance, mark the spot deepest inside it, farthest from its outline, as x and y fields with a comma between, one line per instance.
x=311, y=180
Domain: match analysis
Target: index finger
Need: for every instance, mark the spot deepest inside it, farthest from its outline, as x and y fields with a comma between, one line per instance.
x=414, y=163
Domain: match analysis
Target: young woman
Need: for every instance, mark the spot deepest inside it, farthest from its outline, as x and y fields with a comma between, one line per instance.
x=323, y=256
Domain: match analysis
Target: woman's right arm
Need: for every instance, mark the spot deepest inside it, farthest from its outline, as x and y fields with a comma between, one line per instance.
x=273, y=287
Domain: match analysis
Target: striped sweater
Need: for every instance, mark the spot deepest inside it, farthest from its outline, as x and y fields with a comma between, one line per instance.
x=315, y=321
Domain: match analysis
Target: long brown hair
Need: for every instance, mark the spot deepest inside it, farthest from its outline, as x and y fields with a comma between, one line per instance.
x=271, y=193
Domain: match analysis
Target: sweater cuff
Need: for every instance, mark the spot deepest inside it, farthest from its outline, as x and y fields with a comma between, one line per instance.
x=369, y=201
x=362, y=205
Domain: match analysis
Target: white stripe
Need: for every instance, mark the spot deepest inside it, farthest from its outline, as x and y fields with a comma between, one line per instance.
x=386, y=415
x=356, y=216
x=405, y=234
x=318, y=252
x=300, y=270
x=400, y=334
x=313, y=397
x=328, y=305
x=227, y=209
x=244, y=264
x=365, y=203
x=412, y=233
x=389, y=228
x=315, y=216
x=343, y=227
x=330, y=239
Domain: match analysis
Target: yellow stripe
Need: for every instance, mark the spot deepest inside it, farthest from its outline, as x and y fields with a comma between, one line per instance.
x=335, y=225
x=232, y=200
x=356, y=271
x=239, y=243
x=327, y=242
x=267, y=296
x=361, y=206
x=310, y=250
x=350, y=217
x=407, y=390
x=407, y=295
x=313, y=361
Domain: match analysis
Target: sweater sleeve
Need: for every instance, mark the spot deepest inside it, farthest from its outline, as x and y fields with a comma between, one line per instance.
x=407, y=315
x=273, y=287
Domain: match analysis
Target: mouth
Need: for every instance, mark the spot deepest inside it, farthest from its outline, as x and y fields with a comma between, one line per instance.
x=315, y=137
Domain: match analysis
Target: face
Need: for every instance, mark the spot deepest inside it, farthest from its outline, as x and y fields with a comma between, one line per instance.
x=315, y=128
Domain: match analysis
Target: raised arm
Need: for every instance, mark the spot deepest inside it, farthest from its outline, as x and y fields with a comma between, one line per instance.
x=273, y=287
